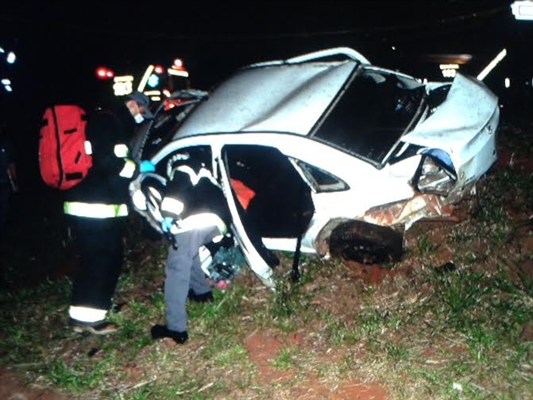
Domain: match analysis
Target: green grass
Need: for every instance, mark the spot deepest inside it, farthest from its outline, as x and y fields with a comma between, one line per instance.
x=479, y=316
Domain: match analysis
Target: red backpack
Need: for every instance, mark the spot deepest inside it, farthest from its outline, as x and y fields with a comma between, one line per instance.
x=63, y=158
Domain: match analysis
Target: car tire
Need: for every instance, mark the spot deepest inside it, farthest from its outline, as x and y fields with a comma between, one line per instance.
x=366, y=243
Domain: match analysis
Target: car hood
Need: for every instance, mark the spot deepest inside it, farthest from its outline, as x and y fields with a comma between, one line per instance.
x=288, y=98
x=469, y=106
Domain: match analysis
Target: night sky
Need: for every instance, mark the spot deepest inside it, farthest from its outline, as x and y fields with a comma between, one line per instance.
x=60, y=44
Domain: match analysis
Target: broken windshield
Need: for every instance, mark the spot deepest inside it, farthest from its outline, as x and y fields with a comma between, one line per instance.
x=372, y=115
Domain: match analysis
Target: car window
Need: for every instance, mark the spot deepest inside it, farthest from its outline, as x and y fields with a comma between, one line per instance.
x=162, y=129
x=320, y=180
x=201, y=153
x=371, y=116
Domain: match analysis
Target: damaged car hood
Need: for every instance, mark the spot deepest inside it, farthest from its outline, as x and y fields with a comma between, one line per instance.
x=473, y=106
x=289, y=98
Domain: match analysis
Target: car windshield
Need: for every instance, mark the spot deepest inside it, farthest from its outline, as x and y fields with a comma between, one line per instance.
x=371, y=116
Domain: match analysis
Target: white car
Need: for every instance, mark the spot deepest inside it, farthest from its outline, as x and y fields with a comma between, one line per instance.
x=342, y=156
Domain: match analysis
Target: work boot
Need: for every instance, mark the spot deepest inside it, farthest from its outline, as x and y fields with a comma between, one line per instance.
x=161, y=331
x=95, y=328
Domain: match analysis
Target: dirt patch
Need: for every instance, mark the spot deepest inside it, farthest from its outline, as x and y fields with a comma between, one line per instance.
x=264, y=349
x=13, y=388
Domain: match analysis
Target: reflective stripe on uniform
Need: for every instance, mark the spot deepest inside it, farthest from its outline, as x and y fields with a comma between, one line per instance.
x=139, y=200
x=121, y=150
x=88, y=147
x=199, y=221
x=93, y=210
x=205, y=259
x=172, y=205
x=186, y=170
x=129, y=168
x=86, y=314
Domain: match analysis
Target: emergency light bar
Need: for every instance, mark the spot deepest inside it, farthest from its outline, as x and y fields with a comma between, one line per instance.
x=178, y=72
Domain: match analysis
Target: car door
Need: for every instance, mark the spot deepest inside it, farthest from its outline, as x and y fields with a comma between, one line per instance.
x=267, y=198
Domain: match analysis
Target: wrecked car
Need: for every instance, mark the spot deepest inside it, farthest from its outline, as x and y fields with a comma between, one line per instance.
x=325, y=153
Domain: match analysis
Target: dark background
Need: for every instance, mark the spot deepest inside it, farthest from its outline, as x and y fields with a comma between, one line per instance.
x=60, y=44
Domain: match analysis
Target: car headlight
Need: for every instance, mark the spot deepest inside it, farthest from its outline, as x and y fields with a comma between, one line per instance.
x=435, y=174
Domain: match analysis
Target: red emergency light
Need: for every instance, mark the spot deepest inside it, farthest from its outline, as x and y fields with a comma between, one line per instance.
x=104, y=73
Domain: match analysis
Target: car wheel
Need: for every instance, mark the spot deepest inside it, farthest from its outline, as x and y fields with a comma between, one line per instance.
x=365, y=243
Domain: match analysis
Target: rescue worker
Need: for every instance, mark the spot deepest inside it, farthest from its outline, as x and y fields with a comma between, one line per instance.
x=97, y=209
x=190, y=208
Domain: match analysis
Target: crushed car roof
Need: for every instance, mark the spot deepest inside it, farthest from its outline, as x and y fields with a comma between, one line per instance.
x=278, y=96
x=289, y=98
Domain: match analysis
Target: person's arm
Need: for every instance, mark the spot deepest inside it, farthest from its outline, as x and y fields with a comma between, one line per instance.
x=110, y=149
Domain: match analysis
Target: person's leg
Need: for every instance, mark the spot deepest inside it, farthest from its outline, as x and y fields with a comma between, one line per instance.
x=178, y=273
x=200, y=289
x=112, y=259
x=99, y=244
x=199, y=284
x=178, y=270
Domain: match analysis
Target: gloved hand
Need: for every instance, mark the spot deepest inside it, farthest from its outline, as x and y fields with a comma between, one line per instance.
x=166, y=224
x=146, y=166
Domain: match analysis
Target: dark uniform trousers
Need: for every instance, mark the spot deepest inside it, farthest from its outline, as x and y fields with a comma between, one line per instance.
x=100, y=247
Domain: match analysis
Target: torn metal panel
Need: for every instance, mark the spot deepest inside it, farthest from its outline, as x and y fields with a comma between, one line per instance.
x=408, y=212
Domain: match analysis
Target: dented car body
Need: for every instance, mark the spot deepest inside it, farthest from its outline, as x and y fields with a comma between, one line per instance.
x=337, y=152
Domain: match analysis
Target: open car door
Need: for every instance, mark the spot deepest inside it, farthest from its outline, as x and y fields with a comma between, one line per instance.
x=267, y=198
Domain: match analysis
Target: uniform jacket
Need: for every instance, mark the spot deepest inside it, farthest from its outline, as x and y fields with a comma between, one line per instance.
x=194, y=187
x=109, y=135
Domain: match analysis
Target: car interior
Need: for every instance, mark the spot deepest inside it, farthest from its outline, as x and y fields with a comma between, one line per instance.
x=281, y=204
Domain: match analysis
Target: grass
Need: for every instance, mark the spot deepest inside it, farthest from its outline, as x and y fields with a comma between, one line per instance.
x=461, y=332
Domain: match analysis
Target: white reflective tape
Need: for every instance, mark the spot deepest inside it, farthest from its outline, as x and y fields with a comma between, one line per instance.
x=205, y=259
x=172, y=205
x=218, y=238
x=193, y=176
x=88, y=147
x=121, y=150
x=155, y=194
x=186, y=170
x=93, y=210
x=86, y=314
x=129, y=169
x=205, y=173
x=201, y=221
x=139, y=200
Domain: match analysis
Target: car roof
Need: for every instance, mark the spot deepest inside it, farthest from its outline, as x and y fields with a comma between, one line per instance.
x=277, y=96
